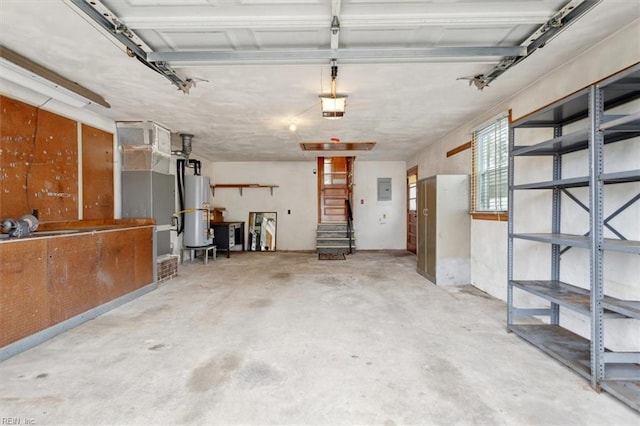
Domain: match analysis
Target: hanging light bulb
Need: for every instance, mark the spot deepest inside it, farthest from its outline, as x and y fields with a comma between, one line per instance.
x=333, y=105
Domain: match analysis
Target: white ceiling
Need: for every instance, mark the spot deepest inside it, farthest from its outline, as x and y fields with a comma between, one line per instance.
x=241, y=112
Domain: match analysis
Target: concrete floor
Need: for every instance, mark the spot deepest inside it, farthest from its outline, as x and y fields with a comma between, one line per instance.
x=282, y=338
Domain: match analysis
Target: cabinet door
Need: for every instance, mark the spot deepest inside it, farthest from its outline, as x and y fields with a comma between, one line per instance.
x=431, y=233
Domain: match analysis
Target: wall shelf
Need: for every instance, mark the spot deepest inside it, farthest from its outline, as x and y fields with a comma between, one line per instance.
x=615, y=372
x=575, y=298
x=241, y=186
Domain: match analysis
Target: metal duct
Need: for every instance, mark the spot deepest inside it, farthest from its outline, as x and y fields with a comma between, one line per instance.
x=186, y=145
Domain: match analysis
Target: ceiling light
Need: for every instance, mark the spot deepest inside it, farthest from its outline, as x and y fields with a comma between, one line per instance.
x=292, y=127
x=19, y=70
x=333, y=105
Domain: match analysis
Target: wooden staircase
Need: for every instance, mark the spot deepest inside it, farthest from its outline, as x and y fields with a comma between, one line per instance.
x=332, y=237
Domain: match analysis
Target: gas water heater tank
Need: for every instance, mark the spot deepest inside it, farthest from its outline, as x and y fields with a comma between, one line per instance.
x=196, y=205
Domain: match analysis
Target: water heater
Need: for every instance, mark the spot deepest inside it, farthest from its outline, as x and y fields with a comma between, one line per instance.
x=196, y=205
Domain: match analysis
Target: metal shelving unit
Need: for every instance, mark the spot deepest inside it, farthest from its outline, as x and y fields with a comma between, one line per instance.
x=615, y=372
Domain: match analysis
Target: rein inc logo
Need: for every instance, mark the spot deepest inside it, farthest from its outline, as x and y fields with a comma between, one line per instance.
x=17, y=421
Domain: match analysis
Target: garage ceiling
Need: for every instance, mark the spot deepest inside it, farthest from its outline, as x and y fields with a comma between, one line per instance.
x=260, y=65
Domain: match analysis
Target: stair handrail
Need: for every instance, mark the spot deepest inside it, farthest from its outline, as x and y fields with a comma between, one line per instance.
x=349, y=223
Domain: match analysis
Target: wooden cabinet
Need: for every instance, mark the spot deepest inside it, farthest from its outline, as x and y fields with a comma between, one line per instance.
x=63, y=279
x=444, y=227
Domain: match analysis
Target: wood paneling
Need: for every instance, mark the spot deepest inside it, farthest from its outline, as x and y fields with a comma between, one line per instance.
x=52, y=180
x=24, y=300
x=73, y=269
x=46, y=280
x=17, y=144
x=144, y=256
x=39, y=163
x=97, y=173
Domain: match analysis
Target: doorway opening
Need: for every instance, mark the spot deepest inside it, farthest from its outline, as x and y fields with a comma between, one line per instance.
x=412, y=206
x=335, y=187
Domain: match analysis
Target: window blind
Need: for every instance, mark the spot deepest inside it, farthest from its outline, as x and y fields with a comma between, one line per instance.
x=490, y=164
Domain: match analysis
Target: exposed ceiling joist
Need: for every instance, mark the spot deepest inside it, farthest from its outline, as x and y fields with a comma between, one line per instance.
x=502, y=57
x=335, y=24
x=451, y=54
x=459, y=19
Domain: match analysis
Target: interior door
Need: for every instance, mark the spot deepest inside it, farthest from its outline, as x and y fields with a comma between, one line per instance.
x=412, y=208
x=335, y=175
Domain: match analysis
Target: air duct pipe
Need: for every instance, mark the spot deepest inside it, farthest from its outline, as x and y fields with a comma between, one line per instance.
x=186, y=146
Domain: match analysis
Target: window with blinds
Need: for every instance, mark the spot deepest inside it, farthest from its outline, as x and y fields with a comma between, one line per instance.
x=490, y=162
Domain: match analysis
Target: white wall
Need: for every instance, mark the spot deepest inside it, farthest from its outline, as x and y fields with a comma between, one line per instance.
x=297, y=193
x=380, y=224
x=294, y=200
x=489, y=238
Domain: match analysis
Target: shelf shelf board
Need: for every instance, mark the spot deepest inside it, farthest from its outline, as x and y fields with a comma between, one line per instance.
x=627, y=246
x=582, y=181
x=621, y=177
x=562, y=239
x=575, y=182
x=571, y=142
x=626, y=391
x=629, y=122
x=629, y=308
x=241, y=186
x=616, y=91
x=575, y=298
x=570, y=349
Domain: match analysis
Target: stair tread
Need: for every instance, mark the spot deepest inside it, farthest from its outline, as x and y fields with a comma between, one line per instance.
x=335, y=238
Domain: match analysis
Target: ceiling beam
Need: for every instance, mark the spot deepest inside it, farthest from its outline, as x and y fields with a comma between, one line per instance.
x=435, y=54
x=335, y=24
x=350, y=21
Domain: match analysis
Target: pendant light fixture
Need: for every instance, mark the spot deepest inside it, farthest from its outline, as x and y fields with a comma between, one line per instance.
x=333, y=105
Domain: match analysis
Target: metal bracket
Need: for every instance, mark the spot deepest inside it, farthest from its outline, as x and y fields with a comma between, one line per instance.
x=570, y=13
x=134, y=45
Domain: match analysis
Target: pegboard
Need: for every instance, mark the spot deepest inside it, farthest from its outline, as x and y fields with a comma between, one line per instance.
x=39, y=163
x=17, y=144
x=97, y=173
